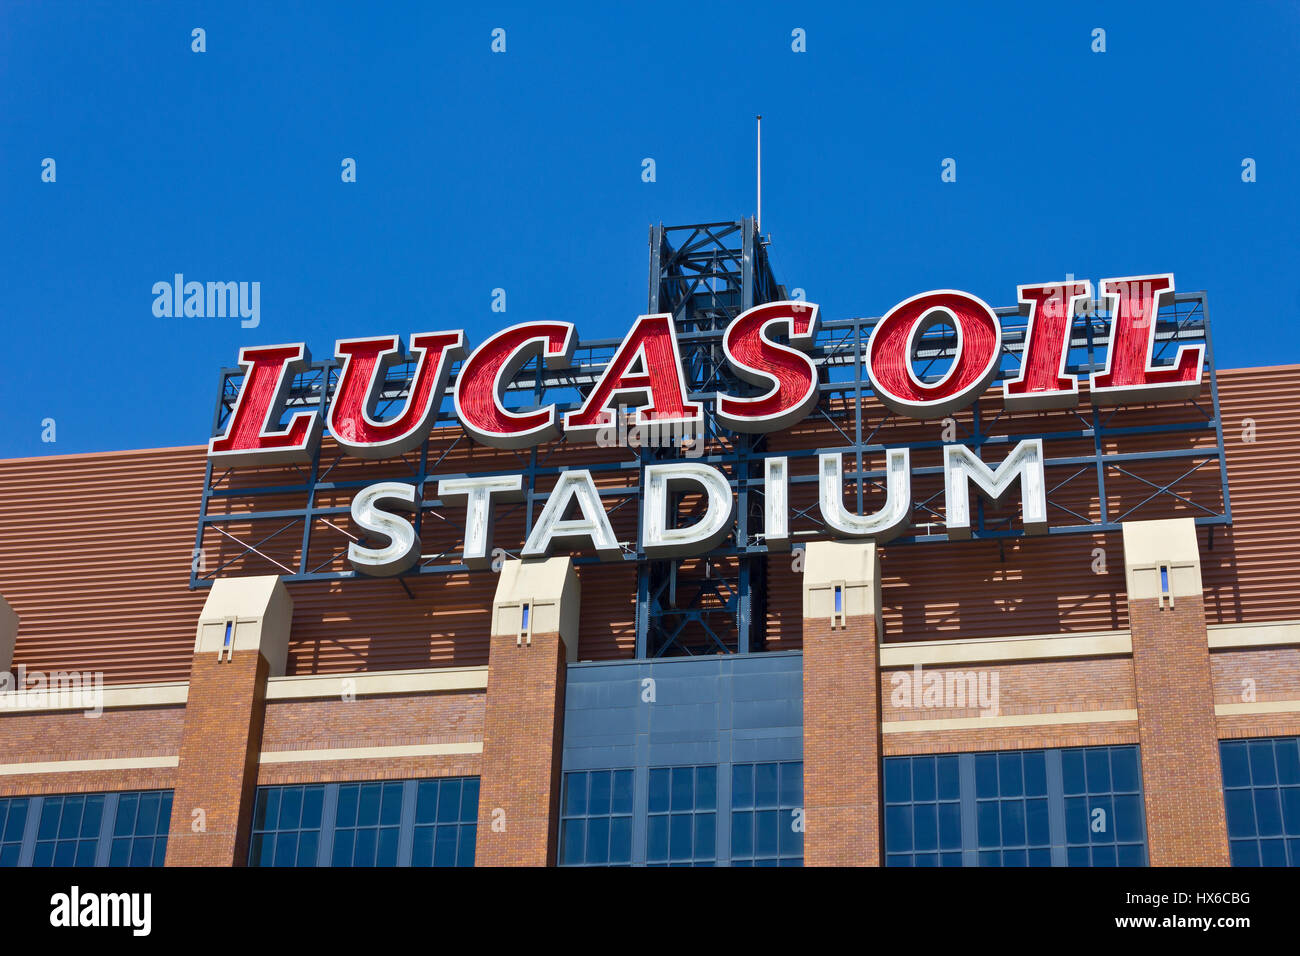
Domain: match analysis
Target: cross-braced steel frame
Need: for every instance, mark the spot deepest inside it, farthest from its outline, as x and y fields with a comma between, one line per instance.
x=1112, y=464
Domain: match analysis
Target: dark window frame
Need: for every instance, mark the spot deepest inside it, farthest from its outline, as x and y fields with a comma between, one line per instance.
x=991, y=795
x=1271, y=786
x=402, y=822
x=90, y=848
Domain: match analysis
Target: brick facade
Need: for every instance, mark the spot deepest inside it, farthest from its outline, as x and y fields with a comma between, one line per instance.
x=387, y=721
x=1181, y=776
x=519, y=790
x=218, y=760
x=841, y=742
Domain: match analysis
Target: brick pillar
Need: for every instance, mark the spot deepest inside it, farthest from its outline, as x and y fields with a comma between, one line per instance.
x=243, y=637
x=534, y=635
x=841, y=705
x=1181, y=777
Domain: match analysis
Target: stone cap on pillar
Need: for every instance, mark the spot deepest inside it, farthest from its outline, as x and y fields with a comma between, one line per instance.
x=259, y=611
x=851, y=566
x=549, y=589
x=1161, y=558
x=8, y=634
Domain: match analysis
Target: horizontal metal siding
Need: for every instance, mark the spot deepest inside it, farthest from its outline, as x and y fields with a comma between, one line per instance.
x=95, y=553
x=1253, y=571
x=1075, y=583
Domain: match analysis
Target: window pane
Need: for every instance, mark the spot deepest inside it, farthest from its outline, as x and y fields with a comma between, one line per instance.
x=598, y=840
x=949, y=778
x=923, y=778
x=1263, y=773
x=1124, y=765
x=1037, y=827
x=1241, y=812
x=1268, y=812
x=575, y=794
x=1013, y=823
x=706, y=788
x=986, y=775
x=659, y=783
x=622, y=798
x=950, y=826
x=1035, y=774
x=988, y=823
x=1072, y=776
x=1010, y=781
x=791, y=784
x=313, y=798
x=448, y=803
x=1236, y=763
x=1288, y=760
x=925, y=826
x=620, y=840
x=366, y=822
x=599, y=793
x=444, y=846
x=742, y=834
x=898, y=828
x=766, y=785
x=1097, y=761
x=127, y=803
x=742, y=785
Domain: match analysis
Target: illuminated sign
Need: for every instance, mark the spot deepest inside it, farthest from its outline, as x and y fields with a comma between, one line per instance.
x=769, y=350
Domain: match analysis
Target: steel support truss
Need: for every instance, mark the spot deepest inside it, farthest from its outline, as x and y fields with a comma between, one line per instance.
x=1104, y=465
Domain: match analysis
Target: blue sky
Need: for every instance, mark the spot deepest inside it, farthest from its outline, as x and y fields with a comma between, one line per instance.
x=522, y=170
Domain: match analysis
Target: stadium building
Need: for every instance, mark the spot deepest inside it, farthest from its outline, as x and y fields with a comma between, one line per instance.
x=957, y=586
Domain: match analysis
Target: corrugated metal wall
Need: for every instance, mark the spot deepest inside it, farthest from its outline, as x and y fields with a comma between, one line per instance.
x=95, y=553
x=1253, y=571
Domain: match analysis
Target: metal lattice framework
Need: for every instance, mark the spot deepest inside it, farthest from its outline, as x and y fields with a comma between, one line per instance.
x=1104, y=465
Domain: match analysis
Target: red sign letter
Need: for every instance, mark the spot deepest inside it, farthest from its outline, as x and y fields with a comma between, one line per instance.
x=1042, y=382
x=365, y=364
x=480, y=387
x=894, y=340
x=648, y=368
x=1130, y=376
x=251, y=436
x=789, y=376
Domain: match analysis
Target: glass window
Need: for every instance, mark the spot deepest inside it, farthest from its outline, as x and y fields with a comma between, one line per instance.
x=13, y=821
x=366, y=826
x=429, y=822
x=1261, y=792
x=1073, y=807
x=446, y=822
x=923, y=820
x=596, y=818
x=140, y=829
x=606, y=814
x=286, y=826
x=767, y=814
x=86, y=829
x=68, y=832
x=1104, y=816
x=681, y=822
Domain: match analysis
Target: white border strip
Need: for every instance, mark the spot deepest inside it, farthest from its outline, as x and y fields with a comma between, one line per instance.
x=1254, y=634
x=1258, y=707
x=1033, y=647
x=370, y=753
x=373, y=683
x=1009, y=720
x=76, y=766
x=116, y=697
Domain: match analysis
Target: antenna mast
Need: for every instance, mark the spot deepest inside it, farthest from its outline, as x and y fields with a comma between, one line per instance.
x=758, y=219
